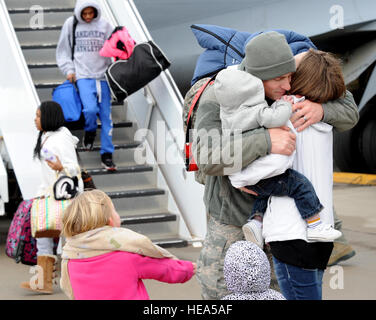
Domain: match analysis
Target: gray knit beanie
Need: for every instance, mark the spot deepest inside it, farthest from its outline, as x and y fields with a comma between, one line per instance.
x=268, y=56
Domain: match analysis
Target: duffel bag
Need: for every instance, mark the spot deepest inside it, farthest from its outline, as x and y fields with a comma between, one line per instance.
x=127, y=76
x=68, y=97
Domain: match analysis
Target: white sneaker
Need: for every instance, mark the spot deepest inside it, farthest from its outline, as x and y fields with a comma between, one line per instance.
x=253, y=232
x=324, y=232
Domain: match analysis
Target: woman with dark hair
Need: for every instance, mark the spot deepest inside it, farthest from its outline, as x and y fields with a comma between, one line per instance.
x=56, y=150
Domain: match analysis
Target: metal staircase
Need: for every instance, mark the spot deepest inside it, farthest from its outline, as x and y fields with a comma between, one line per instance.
x=141, y=205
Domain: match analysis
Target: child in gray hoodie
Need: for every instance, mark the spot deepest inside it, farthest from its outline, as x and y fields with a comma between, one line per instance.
x=87, y=69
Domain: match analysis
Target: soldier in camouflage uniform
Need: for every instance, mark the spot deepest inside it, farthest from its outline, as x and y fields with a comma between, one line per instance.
x=228, y=208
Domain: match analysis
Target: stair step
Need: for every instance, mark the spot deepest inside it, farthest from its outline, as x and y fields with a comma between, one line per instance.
x=127, y=145
x=130, y=169
x=47, y=85
x=161, y=229
x=39, y=46
x=23, y=17
x=37, y=37
x=121, y=157
x=130, y=201
x=135, y=193
x=171, y=243
x=125, y=124
x=45, y=28
x=47, y=75
x=12, y=4
x=45, y=10
x=39, y=56
x=122, y=131
x=125, y=178
x=42, y=65
x=148, y=218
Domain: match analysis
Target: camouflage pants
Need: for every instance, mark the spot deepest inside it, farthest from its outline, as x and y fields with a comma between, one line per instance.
x=219, y=238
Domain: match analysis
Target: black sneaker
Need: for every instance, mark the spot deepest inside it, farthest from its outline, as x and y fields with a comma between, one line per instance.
x=88, y=142
x=107, y=162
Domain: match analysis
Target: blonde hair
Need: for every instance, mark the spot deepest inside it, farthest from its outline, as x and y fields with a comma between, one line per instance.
x=88, y=211
x=318, y=77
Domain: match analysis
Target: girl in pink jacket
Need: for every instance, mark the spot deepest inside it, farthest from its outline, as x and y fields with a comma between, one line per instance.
x=102, y=261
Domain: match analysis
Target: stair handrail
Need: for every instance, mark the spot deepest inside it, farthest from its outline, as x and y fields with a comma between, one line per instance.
x=167, y=110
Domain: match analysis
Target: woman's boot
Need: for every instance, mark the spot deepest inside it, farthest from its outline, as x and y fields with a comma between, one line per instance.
x=42, y=281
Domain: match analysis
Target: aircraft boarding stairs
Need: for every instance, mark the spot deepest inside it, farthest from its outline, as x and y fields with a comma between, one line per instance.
x=141, y=205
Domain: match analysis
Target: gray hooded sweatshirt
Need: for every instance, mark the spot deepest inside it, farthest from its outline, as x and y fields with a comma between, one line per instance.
x=90, y=38
x=242, y=102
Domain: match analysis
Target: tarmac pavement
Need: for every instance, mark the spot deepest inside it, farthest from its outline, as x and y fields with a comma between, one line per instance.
x=354, y=279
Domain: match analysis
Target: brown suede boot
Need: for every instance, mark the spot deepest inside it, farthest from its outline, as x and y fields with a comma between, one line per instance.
x=42, y=281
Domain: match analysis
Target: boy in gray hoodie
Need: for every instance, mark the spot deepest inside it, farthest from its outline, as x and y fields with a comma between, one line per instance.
x=87, y=69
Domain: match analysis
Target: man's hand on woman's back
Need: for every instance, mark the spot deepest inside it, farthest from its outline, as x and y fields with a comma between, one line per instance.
x=307, y=113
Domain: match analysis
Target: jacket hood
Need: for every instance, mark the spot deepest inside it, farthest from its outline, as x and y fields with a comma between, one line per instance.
x=65, y=135
x=246, y=268
x=68, y=135
x=234, y=88
x=82, y=4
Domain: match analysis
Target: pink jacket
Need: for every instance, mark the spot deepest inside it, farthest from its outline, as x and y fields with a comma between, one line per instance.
x=118, y=275
x=120, y=45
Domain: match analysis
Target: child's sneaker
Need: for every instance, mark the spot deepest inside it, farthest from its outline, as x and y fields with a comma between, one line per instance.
x=323, y=232
x=253, y=232
x=107, y=162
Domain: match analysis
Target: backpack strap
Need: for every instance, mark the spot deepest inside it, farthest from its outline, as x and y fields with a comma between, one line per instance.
x=75, y=22
x=190, y=163
x=193, y=105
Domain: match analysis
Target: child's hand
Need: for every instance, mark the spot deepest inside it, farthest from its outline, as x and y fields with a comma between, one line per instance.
x=71, y=77
x=57, y=166
x=244, y=189
x=194, y=267
x=288, y=99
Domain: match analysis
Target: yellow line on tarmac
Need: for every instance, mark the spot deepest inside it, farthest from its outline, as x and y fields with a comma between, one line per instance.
x=354, y=178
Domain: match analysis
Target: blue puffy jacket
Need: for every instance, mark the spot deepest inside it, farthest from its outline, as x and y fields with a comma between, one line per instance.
x=226, y=47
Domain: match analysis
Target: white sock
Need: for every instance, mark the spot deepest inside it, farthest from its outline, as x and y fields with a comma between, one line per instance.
x=313, y=223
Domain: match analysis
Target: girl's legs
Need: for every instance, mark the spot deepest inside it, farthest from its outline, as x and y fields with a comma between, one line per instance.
x=45, y=246
x=298, y=283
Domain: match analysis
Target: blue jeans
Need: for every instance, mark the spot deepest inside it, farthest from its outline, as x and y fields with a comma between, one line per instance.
x=92, y=108
x=298, y=283
x=292, y=184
